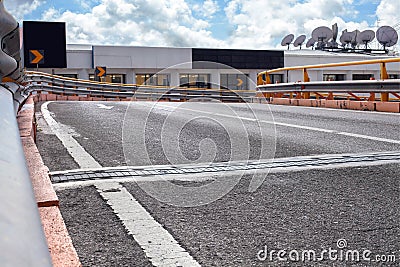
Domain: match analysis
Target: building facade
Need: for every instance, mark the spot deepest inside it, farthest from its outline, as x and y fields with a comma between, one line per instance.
x=208, y=68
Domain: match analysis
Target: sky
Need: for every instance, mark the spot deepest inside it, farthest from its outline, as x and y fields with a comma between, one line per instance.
x=244, y=24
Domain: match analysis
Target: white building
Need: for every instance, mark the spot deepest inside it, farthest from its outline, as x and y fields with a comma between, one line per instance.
x=188, y=67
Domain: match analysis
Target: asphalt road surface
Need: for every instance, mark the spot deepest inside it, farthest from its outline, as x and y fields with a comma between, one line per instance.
x=335, y=212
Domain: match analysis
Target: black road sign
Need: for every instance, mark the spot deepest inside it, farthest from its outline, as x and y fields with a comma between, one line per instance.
x=100, y=71
x=48, y=37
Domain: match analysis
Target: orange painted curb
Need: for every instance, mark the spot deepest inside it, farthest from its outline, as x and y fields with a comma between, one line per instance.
x=44, y=193
x=280, y=101
x=43, y=189
x=388, y=106
x=84, y=98
x=340, y=104
x=43, y=97
x=73, y=98
x=25, y=119
x=62, y=98
x=60, y=244
x=51, y=97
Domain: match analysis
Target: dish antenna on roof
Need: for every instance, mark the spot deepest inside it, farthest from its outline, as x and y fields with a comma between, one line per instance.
x=387, y=36
x=322, y=35
x=335, y=31
x=354, y=42
x=299, y=41
x=310, y=42
x=346, y=38
x=287, y=40
x=366, y=37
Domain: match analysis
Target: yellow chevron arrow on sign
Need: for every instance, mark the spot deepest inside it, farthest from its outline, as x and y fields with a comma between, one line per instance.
x=37, y=56
x=100, y=71
x=240, y=82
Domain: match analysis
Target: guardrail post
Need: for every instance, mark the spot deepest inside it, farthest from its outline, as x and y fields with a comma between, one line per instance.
x=384, y=97
x=371, y=97
x=260, y=79
x=306, y=78
x=384, y=74
x=263, y=78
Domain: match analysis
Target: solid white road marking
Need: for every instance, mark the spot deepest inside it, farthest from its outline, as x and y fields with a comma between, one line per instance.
x=373, y=138
x=78, y=153
x=102, y=106
x=160, y=246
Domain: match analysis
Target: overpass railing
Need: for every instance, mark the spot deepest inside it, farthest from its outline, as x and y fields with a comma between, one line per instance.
x=22, y=240
x=42, y=82
x=326, y=89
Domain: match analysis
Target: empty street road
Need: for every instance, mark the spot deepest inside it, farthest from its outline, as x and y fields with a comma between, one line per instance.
x=196, y=183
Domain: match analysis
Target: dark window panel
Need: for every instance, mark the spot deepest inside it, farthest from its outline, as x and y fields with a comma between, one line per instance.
x=239, y=59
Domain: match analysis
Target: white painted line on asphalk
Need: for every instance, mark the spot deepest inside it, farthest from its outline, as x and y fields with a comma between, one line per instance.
x=373, y=138
x=78, y=153
x=160, y=246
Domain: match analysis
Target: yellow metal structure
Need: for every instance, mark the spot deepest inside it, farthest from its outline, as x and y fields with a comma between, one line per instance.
x=264, y=77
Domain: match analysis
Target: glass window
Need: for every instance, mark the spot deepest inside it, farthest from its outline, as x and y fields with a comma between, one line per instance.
x=195, y=80
x=357, y=77
x=234, y=81
x=153, y=79
x=334, y=77
x=111, y=78
x=276, y=78
x=393, y=76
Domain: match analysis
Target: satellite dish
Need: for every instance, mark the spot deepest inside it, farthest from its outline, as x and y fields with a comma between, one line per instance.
x=310, y=42
x=387, y=36
x=365, y=37
x=322, y=35
x=346, y=38
x=354, y=42
x=335, y=31
x=299, y=41
x=287, y=40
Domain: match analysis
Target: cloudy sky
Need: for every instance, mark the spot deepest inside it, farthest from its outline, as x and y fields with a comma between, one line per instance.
x=253, y=24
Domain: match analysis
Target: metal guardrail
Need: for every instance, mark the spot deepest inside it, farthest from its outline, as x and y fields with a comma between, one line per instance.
x=263, y=77
x=383, y=86
x=22, y=240
x=367, y=86
x=67, y=86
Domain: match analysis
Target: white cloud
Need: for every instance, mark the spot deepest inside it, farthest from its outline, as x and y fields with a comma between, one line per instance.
x=207, y=9
x=19, y=8
x=259, y=24
x=388, y=12
x=263, y=22
x=137, y=22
